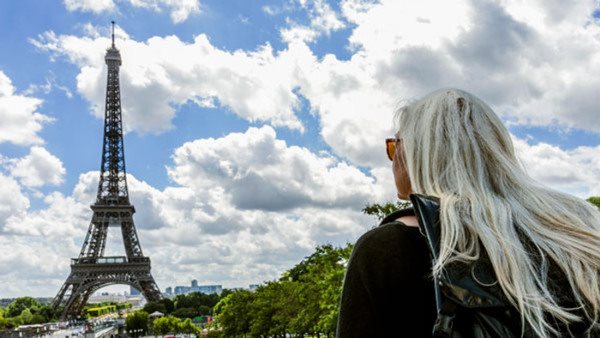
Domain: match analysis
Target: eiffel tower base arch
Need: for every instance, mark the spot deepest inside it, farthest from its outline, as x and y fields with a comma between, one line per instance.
x=87, y=277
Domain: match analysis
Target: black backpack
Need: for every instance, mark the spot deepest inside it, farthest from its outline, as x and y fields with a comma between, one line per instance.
x=469, y=301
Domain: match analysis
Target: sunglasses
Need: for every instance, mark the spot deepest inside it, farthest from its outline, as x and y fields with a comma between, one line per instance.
x=390, y=147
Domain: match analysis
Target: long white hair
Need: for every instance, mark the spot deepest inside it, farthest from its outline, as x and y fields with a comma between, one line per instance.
x=457, y=149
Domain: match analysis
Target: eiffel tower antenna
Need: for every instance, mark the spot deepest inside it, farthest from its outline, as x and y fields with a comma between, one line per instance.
x=91, y=270
x=113, y=34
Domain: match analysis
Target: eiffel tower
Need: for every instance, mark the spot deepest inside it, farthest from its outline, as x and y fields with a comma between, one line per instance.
x=92, y=270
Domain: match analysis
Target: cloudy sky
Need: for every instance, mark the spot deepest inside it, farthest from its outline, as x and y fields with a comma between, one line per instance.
x=255, y=129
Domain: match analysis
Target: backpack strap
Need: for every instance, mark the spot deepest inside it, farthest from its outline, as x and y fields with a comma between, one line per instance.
x=427, y=212
x=457, y=287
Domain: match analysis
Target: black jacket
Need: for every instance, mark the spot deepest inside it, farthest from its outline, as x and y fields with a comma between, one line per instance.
x=389, y=292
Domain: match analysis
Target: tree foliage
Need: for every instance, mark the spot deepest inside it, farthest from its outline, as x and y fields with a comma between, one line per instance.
x=25, y=310
x=164, y=325
x=185, y=312
x=137, y=320
x=235, y=312
x=381, y=210
x=159, y=306
x=18, y=305
x=595, y=201
x=187, y=327
x=169, y=305
x=196, y=299
x=3, y=323
x=303, y=301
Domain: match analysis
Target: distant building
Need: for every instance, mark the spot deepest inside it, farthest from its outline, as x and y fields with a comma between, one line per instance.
x=209, y=289
x=133, y=291
x=253, y=287
x=181, y=290
x=106, y=297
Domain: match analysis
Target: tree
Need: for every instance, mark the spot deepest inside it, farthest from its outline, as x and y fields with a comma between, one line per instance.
x=188, y=327
x=3, y=323
x=195, y=300
x=186, y=312
x=381, y=210
x=224, y=293
x=321, y=275
x=303, y=301
x=38, y=319
x=18, y=305
x=204, y=310
x=164, y=325
x=234, y=313
x=595, y=201
x=169, y=305
x=136, y=321
x=151, y=307
x=26, y=316
x=267, y=305
x=47, y=312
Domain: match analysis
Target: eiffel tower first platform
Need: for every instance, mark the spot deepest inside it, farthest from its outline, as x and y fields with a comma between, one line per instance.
x=92, y=270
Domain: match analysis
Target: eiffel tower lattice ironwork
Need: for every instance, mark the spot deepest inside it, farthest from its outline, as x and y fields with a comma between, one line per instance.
x=92, y=270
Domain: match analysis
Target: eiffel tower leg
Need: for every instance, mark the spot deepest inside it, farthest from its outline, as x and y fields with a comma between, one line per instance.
x=150, y=291
x=80, y=301
x=71, y=303
x=60, y=295
x=130, y=237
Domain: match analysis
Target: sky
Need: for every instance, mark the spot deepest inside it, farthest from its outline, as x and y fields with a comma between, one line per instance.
x=255, y=129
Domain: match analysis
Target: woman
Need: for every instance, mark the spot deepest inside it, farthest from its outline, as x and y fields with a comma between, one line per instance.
x=539, y=242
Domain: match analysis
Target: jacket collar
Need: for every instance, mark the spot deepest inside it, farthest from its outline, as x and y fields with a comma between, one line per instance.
x=427, y=210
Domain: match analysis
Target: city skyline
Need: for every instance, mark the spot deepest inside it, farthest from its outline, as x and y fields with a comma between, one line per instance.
x=256, y=132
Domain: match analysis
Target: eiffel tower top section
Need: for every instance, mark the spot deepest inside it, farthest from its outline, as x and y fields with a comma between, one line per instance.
x=112, y=188
x=112, y=54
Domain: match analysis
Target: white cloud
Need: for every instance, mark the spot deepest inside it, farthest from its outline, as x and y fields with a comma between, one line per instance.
x=298, y=33
x=162, y=73
x=12, y=200
x=529, y=61
x=38, y=168
x=575, y=171
x=20, y=120
x=48, y=86
x=532, y=61
x=63, y=218
x=533, y=73
x=323, y=20
x=38, y=245
x=180, y=9
x=322, y=17
x=34, y=266
x=96, y=6
x=259, y=171
x=270, y=10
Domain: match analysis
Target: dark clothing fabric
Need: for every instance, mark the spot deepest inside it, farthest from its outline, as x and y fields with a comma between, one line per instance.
x=388, y=288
